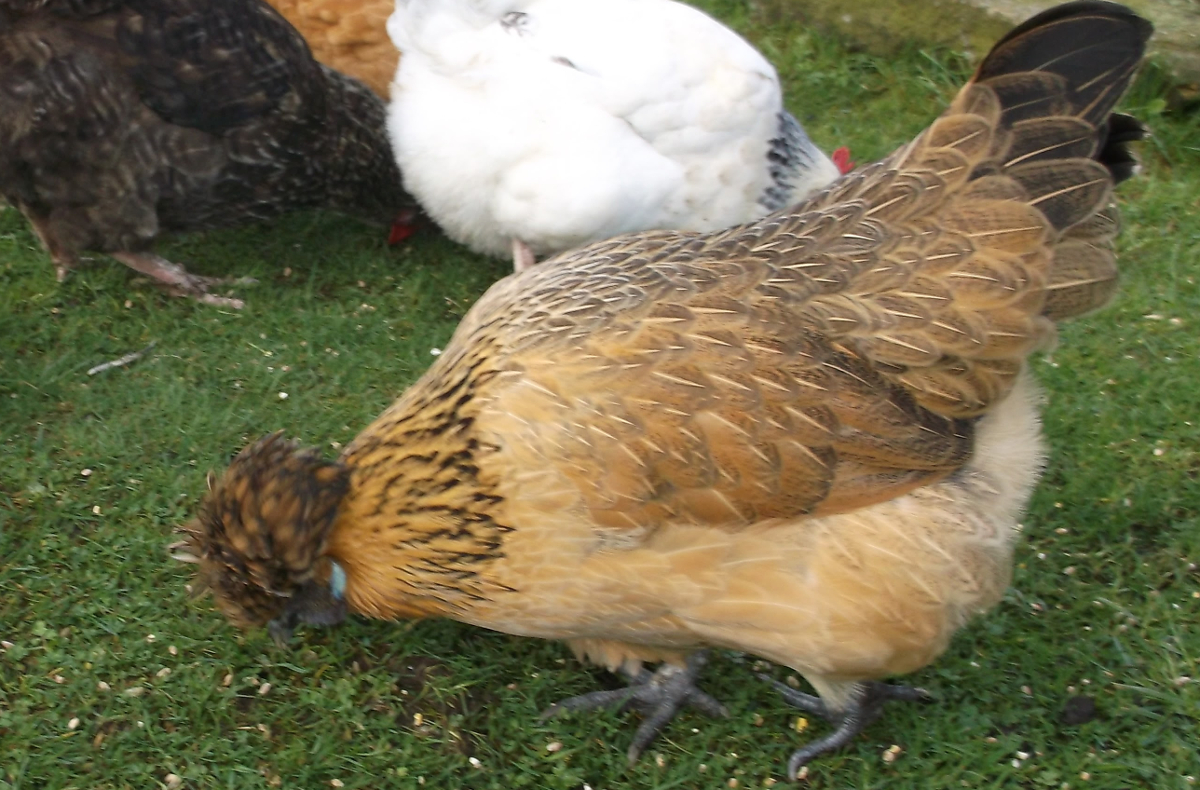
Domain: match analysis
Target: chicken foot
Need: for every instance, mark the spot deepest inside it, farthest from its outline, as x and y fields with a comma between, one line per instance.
x=865, y=705
x=177, y=281
x=659, y=695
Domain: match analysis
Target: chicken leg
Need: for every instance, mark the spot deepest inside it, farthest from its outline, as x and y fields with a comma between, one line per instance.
x=863, y=707
x=659, y=695
x=177, y=281
x=523, y=256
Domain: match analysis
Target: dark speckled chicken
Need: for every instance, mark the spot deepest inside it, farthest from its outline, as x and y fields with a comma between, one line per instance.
x=124, y=119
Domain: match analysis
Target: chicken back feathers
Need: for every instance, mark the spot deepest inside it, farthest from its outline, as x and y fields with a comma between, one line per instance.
x=810, y=437
x=123, y=119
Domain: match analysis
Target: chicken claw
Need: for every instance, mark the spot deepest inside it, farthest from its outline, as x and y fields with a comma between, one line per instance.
x=865, y=705
x=659, y=695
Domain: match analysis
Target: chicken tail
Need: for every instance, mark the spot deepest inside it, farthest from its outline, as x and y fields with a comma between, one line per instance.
x=262, y=527
x=1055, y=79
x=1000, y=213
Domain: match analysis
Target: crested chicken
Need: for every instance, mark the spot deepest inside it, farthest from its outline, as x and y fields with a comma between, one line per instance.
x=538, y=125
x=124, y=119
x=809, y=437
x=347, y=35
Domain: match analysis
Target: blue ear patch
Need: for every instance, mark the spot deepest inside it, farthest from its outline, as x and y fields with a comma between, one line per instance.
x=337, y=580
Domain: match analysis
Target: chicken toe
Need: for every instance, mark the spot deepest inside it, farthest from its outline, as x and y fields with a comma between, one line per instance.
x=659, y=695
x=865, y=705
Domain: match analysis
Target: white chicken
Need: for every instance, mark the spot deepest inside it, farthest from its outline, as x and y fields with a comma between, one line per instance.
x=539, y=125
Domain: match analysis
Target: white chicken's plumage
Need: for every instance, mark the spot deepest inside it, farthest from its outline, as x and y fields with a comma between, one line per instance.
x=556, y=122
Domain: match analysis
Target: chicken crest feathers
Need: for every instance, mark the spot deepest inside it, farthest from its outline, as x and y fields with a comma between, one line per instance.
x=262, y=527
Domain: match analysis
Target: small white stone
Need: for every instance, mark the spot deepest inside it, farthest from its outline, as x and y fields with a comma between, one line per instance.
x=96, y=509
x=102, y=686
x=173, y=650
x=73, y=723
x=162, y=673
x=336, y=783
x=474, y=761
x=263, y=689
x=86, y=472
x=437, y=352
x=173, y=780
x=283, y=396
x=554, y=747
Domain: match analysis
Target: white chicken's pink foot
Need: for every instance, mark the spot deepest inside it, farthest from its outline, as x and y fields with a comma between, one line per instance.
x=523, y=257
x=659, y=695
x=178, y=282
x=866, y=703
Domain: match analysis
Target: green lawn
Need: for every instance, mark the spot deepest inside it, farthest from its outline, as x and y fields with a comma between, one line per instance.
x=111, y=678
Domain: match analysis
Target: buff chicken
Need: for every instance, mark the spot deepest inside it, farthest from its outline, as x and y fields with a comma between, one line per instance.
x=124, y=119
x=539, y=125
x=809, y=437
x=347, y=35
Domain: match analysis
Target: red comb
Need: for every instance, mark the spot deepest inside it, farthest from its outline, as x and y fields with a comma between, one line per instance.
x=841, y=158
x=403, y=226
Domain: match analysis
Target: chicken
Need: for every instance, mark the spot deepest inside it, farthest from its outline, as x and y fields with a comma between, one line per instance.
x=124, y=119
x=809, y=437
x=347, y=35
x=539, y=125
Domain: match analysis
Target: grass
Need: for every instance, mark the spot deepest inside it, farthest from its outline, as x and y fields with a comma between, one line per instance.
x=111, y=678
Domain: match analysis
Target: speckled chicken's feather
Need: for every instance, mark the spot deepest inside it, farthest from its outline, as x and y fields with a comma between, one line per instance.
x=121, y=120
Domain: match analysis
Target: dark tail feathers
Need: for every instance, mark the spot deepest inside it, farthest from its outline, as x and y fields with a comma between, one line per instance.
x=1091, y=49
